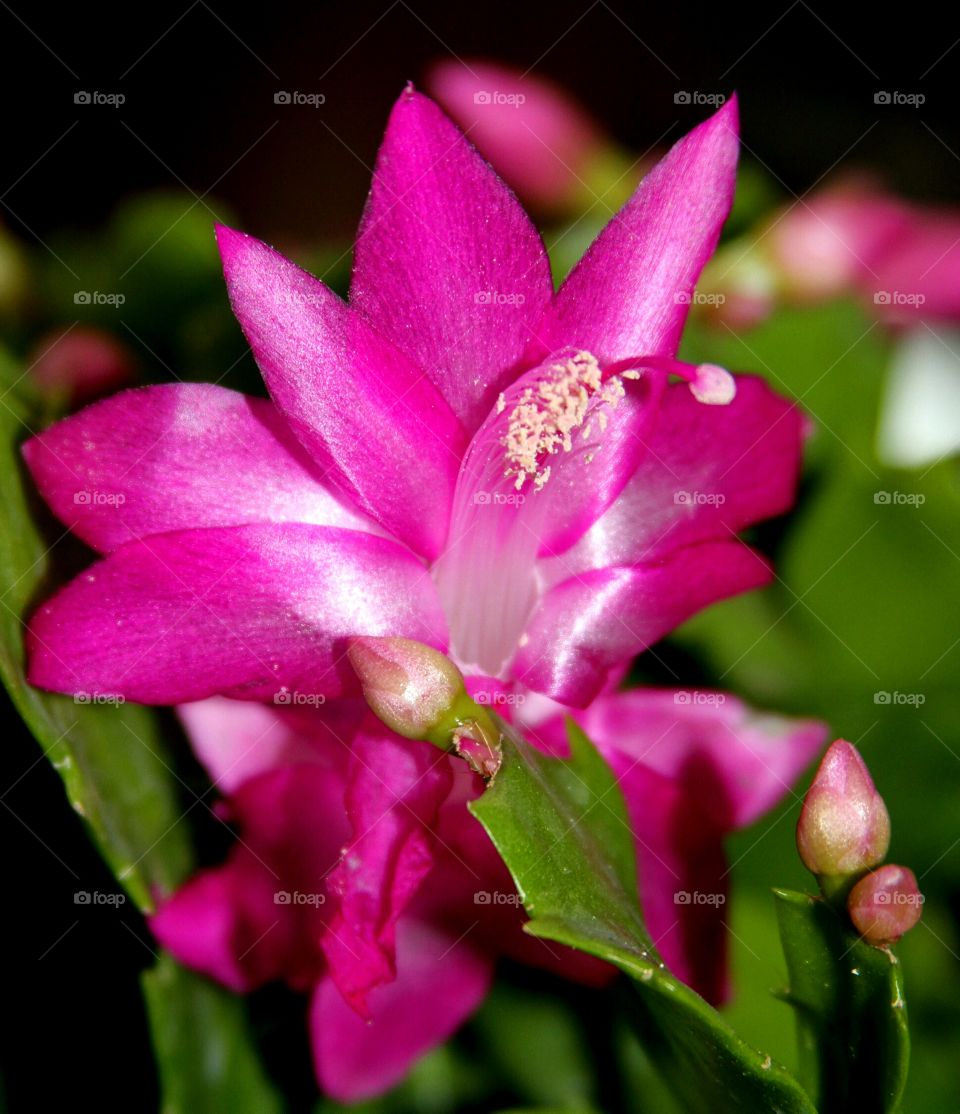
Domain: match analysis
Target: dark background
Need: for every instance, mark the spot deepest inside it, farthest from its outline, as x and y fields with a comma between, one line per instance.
x=199, y=81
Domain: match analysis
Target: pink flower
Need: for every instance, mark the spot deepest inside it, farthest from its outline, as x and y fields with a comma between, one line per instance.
x=80, y=363
x=537, y=136
x=359, y=877
x=903, y=258
x=457, y=456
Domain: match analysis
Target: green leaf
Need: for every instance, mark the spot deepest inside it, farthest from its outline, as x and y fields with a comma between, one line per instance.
x=204, y=1049
x=851, y=1012
x=562, y=829
x=111, y=758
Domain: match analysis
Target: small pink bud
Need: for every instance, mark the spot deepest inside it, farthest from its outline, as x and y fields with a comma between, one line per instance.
x=420, y=694
x=885, y=904
x=844, y=827
x=411, y=687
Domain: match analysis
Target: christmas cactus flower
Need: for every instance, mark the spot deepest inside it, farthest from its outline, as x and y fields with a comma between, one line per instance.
x=458, y=456
x=360, y=878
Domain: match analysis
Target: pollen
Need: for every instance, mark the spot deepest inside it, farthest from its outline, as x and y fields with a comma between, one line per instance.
x=549, y=413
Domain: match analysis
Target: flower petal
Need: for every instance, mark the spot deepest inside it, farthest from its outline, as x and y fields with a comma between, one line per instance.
x=708, y=472
x=394, y=792
x=260, y=915
x=591, y=622
x=448, y=266
x=372, y=420
x=533, y=132
x=734, y=763
x=440, y=981
x=237, y=740
x=248, y=611
x=630, y=293
x=176, y=457
x=678, y=857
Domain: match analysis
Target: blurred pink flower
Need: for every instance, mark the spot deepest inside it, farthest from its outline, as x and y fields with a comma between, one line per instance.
x=535, y=134
x=359, y=876
x=853, y=238
x=80, y=363
x=459, y=456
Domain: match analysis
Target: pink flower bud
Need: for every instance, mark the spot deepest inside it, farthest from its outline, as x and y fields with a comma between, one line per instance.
x=844, y=827
x=885, y=904
x=411, y=687
x=420, y=694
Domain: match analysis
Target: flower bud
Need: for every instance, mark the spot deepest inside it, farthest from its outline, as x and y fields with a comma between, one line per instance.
x=844, y=828
x=885, y=904
x=419, y=693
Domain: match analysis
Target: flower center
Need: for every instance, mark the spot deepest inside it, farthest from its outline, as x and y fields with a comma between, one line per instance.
x=522, y=486
x=547, y=413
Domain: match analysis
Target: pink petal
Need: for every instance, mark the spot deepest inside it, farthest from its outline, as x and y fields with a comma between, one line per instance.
x=708, y=472
x=586, y=625
x=440, y=982
x=678, y=854
x=394, y=792
x=237, y=740
x=176, y=457
x=250, y=611
x=371, y=419
x=259, y=917
x=447, y=265
x=630, y=293
x=736, y=762
x=536, y=136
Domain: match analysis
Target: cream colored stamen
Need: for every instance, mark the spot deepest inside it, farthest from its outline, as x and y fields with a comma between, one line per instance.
x=548, y=414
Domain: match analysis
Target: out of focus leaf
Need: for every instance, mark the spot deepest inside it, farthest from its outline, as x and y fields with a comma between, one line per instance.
x=851, y=1012
x=112, y=758
x=205, y=1052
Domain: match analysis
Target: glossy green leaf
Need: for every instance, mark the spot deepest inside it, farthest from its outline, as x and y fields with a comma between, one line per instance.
x=562, y=830
x=851, y=1012
x=112, y=758
x=204, y=1049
